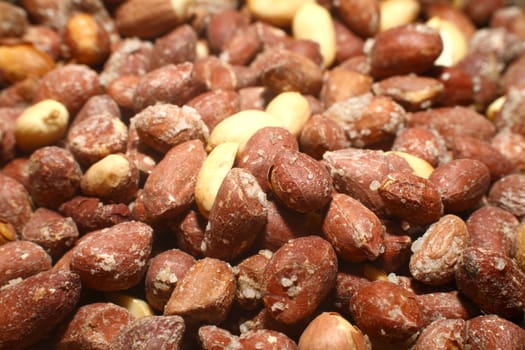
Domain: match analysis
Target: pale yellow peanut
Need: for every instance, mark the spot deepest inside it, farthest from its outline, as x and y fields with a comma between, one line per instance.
x=494, y=108
x=211, y=174
x=394, y=13
x=137, y=307
x=455, y=44
x=276, y=12
x=292, y=109
x=373, y=273
x=420, y=167
x=313, y=22
x=239, y=127
x=42, y=124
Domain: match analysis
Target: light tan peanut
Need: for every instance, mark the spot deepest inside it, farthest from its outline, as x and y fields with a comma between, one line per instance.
x=240, y=126
x=394, y=13
x=40, y=125
x=455, y=45
x=495, y=107
x=276, y=12
x=420, y=167
x=292, y=109
x=135, y=306
x=212, y=172
x=313, y=22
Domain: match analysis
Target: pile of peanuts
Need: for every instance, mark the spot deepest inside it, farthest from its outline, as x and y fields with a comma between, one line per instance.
x=262, y=174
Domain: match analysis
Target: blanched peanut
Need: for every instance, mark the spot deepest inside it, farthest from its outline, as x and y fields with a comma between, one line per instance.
x=420, y=167
x=239, y=127
x=41, y=125
x=292, y=109
x=455, y=45
x=397, y=12
x=277, y=12
x=136, y=307
x=494, y=108
x=213, y=171
x=112, y=178
x=313, y=22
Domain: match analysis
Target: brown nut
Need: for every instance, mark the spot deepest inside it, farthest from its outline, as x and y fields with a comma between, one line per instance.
x=266, y=339
x=216, y=74
x=96, y=105
x=53, y=175
x=18, y=62
x=492, y=280
x=93, y=326
x=491, y=331
x=178, y=46
x=22, y=259
x=261, y=148
x=410, y=48
x=237, y=216
x=14, y=19
x=321, y=134
x=215, y=106
x=51, y=231
x=507, y=193
x=461, y=183
x=442, y=334
x=150, y=332
x=493, y=228
x=449, y=305
x=371, y=308
x=298, y=278
x=436, y=253
x=169, y=197
x=354, y=230
x=362, y=17
x=16, y=205
x=302, y=183
x=249, y=274
x=165, y=270
x=113, y=258
x=90, y=214
x=52, y=295
x=411, y=198
x=424, y=143
x=213, y=337
x=341, y=84
x=331, y=330
x=205, y=294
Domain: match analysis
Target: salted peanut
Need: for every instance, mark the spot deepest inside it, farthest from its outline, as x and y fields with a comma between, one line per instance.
x=86, y=40
x=222, y=25
x=395, y=13
x=212, y=337
x=511, y=145
x=266, y=339
x=447, y=304
x=321, y=134
x=16, y=206
x=136, y=307
x=453, y=14
x=519, y=250
x=361, y=16
x=217, y=73
x=14, y=19
x=493, y=332
x=165, y=270
x=216, y=105
x=492, y=280
x=442, y=334
x=292, y=108
x=300, y=182
x=455, y=44
x=354, y=230
x=313, y=22
x=298, y=278
x=22, y=259
x=90, y=214
x=205, y=294
x=178, y=46
x=341, y=84
x=153, y=332
x=33, y=307
x=493, y=228
x=411, y=198
x=237, y=216
x=93, y=326
x=371, y=308
x=423, y=143
x=508, y=192
x=259, y=153
x=242, y=47
x=396, y=254
x=98, y=104
x=113, y=178
x=411, y=91
x=114, y=258
x=131, y=19
x=211, y=174
x=249, y=274
x=420, y=167
x=51, y=231
x=275, y=12
x=330, y=330
x=436, y=252
x=18, y=62
x=41, y=125
x=53, y=176
x=239, y=127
